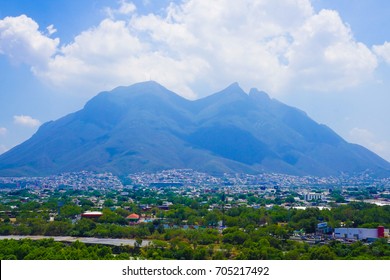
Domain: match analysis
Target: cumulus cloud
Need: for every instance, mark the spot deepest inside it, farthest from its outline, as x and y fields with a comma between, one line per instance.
x=3, y=131
x=22, y=42
x=273, y=45
x=383, y=51
x=26, y=121
x=325, y=56
x=110, y=55
x=368, y=139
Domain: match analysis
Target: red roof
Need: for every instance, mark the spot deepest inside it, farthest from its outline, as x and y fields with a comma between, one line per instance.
x=133, y=217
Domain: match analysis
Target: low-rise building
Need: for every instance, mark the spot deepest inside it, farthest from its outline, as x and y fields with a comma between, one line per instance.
x=133, y=218
x=361, y=233
x=312, y=196
x=92, y=214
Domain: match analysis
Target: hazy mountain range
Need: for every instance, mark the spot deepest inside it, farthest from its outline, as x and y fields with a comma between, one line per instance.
x=145, y=127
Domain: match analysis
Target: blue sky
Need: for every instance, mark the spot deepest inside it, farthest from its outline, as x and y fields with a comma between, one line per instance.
x=329, y=58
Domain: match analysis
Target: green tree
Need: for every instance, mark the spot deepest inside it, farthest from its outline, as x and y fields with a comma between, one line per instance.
x=84, y=227
x=321, y=253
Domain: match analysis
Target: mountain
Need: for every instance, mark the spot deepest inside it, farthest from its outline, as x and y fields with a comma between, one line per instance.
x=145, y=127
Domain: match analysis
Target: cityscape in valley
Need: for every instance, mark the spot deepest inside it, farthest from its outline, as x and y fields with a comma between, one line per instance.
x=234, y=175
x=195, y=215
x=194, y=130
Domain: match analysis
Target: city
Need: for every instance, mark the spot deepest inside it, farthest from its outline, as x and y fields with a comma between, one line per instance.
x=198, y=215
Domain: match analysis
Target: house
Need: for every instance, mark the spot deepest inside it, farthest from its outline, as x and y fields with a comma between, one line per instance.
x=133, y=218
x=92, y=214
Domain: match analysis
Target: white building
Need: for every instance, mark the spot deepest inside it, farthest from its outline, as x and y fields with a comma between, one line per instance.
x=360, y=233
x=312, y=196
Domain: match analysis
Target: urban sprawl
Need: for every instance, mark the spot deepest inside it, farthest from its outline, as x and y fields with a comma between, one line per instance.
x=219, y=217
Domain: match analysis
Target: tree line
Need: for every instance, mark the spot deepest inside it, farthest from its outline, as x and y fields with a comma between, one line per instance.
x=189, y=230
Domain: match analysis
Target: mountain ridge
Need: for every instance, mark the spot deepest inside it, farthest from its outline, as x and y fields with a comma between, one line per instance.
x=146, y=127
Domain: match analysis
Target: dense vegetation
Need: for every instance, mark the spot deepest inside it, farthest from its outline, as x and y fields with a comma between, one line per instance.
x=189, y=230
x=256, y=247
x=33, y=219
x=48, y=249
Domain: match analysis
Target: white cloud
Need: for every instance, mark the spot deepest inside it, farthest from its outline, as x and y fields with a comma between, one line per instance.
x=383, y=51
x=125, y=8
x=273, y=45
x=51, y=30
x=109, y=55
x=26, y=121
x=325, y=56
x=22, y=42
x=368, y=139
x=3, y=131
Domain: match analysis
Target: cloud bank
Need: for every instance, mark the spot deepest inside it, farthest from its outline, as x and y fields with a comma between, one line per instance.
x=278, y=46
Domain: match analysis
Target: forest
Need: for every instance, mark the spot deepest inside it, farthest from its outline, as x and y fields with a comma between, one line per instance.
x=189, y=230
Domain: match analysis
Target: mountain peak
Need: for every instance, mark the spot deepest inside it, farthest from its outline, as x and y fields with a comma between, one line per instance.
x=232, y=92
x=261, y=96
x=143, y=89
x=147, y=86
x=235, y=89
x=146, y=127
x=255, y=91
x=228, y=95
x=235, y=85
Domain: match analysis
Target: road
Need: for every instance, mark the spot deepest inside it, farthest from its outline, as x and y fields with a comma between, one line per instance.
x=87, y=240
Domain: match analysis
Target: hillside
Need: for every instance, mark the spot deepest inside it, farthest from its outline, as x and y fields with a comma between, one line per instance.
x=146, y=127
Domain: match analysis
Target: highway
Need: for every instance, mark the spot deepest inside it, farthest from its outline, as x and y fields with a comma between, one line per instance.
x=87, y=240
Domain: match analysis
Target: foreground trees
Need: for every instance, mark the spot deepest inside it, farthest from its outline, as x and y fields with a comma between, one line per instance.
x=48, y=249
x=192, y=231
x=114, y=224
x=265, y=248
